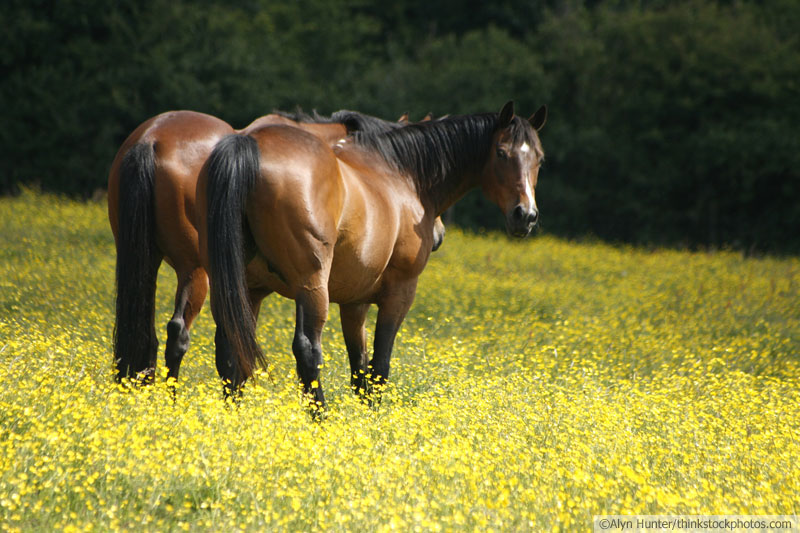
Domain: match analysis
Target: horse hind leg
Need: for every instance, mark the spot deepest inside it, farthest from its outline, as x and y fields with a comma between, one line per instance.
x=226, y=368
x=189, y=298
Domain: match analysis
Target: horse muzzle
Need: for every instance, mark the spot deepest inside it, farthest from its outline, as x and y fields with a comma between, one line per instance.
x=521, y=220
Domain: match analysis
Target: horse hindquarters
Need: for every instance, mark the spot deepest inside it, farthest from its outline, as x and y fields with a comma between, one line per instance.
x=292, y=214
x=138, y=260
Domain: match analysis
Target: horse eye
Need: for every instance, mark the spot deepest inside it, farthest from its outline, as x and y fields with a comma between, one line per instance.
x=502, y=154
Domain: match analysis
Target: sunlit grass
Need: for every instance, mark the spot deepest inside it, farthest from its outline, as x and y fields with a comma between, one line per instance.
x=534, y=384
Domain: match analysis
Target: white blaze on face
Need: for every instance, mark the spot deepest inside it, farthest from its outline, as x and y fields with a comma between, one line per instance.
x=525, y=148
x=529, y=194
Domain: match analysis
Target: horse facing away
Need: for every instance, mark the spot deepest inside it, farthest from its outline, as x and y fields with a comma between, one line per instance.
x=151, y=208
x=281, y=211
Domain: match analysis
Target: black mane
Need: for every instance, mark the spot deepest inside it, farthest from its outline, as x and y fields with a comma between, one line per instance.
x=301, y=116
x=431, y=151
x=359, y=122
x=353, y=121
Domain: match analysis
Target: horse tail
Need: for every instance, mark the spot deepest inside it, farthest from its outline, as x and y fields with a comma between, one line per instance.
x=138, y=259
x=233, y=169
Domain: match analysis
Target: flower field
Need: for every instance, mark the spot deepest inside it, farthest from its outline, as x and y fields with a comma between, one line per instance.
x=534, y=384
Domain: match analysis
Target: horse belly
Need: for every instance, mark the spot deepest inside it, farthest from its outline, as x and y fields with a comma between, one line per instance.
x=261, y=275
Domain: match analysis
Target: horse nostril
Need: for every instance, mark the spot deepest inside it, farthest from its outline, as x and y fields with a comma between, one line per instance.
x=519, y=214
x=533, y=216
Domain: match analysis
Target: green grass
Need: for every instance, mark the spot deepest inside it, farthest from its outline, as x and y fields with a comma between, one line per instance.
x=534, y=384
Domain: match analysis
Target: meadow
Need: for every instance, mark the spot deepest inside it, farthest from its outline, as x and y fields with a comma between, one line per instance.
x=534, y=384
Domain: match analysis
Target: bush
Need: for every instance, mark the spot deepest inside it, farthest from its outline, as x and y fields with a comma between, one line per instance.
x=670, y=122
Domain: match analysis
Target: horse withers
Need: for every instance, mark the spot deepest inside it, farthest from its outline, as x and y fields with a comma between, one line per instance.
x=281, y=211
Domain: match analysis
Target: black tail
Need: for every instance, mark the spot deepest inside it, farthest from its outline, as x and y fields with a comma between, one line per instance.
x=233, y=168
x=138, y=259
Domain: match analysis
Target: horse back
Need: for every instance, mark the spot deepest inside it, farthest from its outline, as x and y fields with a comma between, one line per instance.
x=272, y=119
x=328, y=132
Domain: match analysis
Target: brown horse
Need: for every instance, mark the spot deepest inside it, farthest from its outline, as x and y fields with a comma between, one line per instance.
x=151, y=207
x=280, y=211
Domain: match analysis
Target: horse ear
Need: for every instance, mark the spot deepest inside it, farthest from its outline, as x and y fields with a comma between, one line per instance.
x=428, y=117
x=538, y=119
x=506, y=114
x=403, y=118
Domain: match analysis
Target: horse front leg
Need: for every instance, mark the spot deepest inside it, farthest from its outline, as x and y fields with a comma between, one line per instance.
x=355, y=339
x=394, y=303
x=312, y=311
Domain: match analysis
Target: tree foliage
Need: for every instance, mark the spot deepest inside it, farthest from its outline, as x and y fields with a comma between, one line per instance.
x=670, y=122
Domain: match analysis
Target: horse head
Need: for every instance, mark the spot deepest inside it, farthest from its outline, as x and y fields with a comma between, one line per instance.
x=511, y=171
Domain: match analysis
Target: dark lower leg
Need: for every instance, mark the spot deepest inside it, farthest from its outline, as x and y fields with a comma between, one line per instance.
x=355, y=339
x=392, y=309
x=312, y=309
x=382, y=352
x=189, y=299
x=177, y=345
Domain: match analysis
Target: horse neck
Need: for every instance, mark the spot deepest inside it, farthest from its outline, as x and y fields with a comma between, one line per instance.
x=442, y=195
x=466, y=154
x=443, y=158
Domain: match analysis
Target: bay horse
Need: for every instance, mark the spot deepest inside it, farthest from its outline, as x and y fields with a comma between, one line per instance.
x=281, y=211
x=151, y=208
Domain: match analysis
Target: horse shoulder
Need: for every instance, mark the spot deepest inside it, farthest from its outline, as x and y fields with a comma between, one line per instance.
x=414, y=242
